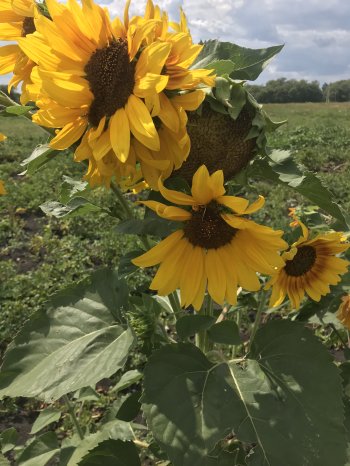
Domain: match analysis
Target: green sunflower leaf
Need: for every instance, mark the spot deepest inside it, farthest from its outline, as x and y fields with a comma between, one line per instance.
x=112, y=453
x=45, y=418
x=116, y=429
x=225, y=333
x=40, y=451
x=75, y=207
x=189, y=325
x=284, y=401
x=280, y=167
x=77, y=341
x=16, y=110
x=238, y=62
x=40, y=156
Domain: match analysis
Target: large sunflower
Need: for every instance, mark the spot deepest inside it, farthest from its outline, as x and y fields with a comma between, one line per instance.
x=16, y=21
x=104, y=80
x=310, y=267
x=216, y=248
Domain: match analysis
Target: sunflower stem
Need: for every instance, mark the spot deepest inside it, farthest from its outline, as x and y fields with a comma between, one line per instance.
x=73, y=417
x=257, y=318
x=175, y=304
x=202, y=340
x=128, y=212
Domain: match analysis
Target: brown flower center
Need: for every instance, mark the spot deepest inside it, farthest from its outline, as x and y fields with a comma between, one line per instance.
x=302, y=262
x=28, y=26
x=111, y=78
x=207, y=229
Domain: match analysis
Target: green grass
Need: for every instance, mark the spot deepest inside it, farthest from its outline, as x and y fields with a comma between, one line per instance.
x=319, y=137
x=40, y=255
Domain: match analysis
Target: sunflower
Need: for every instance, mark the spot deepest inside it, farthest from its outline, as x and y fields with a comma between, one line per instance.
x=216, y=248
x=310, y=267
x=105, y=80
x=16, y=21
x=343, y=313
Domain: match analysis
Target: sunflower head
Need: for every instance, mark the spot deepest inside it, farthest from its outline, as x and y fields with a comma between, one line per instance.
x=311, y=266
x=216, y=248
x=343, y=313
x=227, y=131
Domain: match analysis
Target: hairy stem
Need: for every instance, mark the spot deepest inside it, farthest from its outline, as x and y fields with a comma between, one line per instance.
x=73, y=417
x=258, y=317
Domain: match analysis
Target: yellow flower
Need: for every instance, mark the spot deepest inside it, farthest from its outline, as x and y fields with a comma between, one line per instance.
x=104, y=81
x=16, y=21
x=343, y=313
x=183, y=51
x=216, y=248
x=310, y=267
x=2, y=137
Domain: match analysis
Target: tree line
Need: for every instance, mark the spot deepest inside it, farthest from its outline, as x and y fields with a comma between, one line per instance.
x=285, y=90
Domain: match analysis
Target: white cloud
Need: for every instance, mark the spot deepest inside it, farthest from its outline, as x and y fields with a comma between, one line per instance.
x=316, y=34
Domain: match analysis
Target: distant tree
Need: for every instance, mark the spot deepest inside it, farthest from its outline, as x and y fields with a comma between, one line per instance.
x=285, y=90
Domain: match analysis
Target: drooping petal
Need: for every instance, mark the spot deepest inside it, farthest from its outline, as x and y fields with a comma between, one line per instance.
x=119, y=130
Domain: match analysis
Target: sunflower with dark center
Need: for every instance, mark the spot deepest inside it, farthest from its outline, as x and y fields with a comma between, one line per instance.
x=16, y=21
x=102, y=85
x=216, y=249
x=311, y=266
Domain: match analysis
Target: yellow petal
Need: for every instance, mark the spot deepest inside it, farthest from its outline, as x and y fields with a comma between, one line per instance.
x=10, y=31
x=175, y=196
x=23, y=7
x=189, y=101
x=168, y=212
x=141, y=123
x=120, y=134
x=2, y=188
x=168, y=114
x=257, y=205
x=69, y=134
x=156, y=255
x=216, y=276
x=152, y=59
x=73, y=92
x=8, y=57
x=201, y=186
x=236, y=204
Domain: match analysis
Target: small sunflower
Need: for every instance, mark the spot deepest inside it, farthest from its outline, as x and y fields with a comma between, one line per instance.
x=216, y=248
x=16, y=21
x=311, y=265
x=105, y=80
x=2, y=137
x=343, y=313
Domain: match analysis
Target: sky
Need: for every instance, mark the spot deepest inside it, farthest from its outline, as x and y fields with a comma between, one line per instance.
x=316, y=33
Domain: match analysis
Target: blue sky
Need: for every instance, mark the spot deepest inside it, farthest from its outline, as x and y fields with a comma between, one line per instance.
x=316, y=33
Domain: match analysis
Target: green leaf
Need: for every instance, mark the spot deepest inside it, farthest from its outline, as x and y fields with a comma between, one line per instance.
x=8, y=439
x=225, y=332
x=281, y=168
x=238, y=98
x=16, y=110
x=111, y=430
x=40, y=156
x=73, y=344
x=222, y=67
x=222, y=90
x=126, y=267
x=112, y=453
x=151, y=225
x=130, y=408
x=46, y=417
x=40, y=451
x=4, y=461
x=189, y=325
x=287, y=394
x=75, y=207
x=86, y=394
x=247, y=64
x=127, y=379
x=71, y=188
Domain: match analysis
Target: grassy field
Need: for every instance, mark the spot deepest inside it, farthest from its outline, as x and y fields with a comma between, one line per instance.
x=39, y=255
